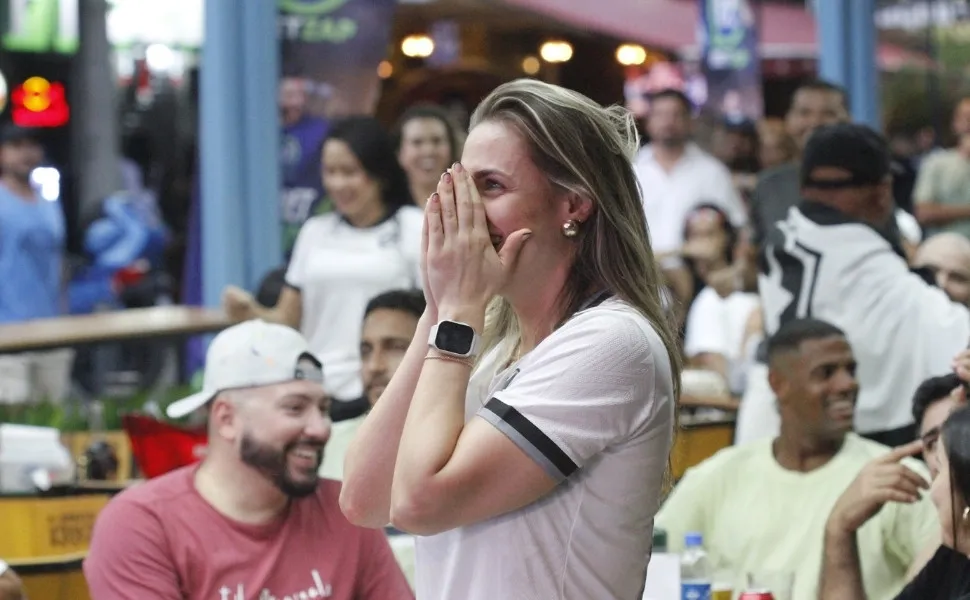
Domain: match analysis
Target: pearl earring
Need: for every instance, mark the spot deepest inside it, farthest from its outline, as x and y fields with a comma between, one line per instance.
x=570, y=228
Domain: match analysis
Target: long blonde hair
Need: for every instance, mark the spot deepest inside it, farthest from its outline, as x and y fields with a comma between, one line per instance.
x=587, y=150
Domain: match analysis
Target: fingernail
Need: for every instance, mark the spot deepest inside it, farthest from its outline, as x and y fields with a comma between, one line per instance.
x=526, y=236
x=443, y=175
x=446, y=177
x=456, y=166
x=434, y=197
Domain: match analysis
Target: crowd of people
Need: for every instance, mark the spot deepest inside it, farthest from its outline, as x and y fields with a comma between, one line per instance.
x=543, y=428
x=484, y=341
x=843, y=335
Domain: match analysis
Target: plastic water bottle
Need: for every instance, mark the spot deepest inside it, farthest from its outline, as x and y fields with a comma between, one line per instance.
x=695, y=569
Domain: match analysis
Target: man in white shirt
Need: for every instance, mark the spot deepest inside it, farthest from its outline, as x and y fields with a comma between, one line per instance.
x=762, y=507
x=829, y=261
x=675, y=176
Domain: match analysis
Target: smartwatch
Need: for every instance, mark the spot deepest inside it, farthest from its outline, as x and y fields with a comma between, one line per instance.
x=456, y=339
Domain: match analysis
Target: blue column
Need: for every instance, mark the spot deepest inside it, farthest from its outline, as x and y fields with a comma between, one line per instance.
x=864, y=70
x=239, y=146
x=261, y=127
x=832, y=31
x=846, y=32
x=220, y=148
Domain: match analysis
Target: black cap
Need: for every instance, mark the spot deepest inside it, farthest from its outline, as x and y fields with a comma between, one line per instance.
x=845, y=155
x=16, y=133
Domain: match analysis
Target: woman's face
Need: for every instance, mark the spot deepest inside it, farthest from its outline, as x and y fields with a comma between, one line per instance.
x=942, y=496
x=425, y=150
x=355, y=194
x=517, y=195
x=707, y=241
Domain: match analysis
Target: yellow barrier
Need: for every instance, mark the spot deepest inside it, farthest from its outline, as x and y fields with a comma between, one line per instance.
x=46, y=539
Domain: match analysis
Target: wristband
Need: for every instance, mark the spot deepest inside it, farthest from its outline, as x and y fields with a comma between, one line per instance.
x=454, y=359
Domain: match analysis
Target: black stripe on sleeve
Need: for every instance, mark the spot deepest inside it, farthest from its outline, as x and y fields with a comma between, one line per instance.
x=540, y=441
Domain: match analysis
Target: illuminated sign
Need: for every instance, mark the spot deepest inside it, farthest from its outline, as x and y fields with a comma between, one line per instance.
x=313, y=21
x=41, y=26
x=40, y=103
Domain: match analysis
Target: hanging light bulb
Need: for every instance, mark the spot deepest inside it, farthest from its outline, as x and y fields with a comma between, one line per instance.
x=417, y=46
x=556, y=51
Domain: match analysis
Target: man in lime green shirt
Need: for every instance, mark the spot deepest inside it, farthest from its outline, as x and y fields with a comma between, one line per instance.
x=762, y=507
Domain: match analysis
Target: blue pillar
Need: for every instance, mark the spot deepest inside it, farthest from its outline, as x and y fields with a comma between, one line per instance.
x=846, y=32
x=864, y=73
x=220, y=149
x=261, y=127
x=239, y=146
x=832, y=31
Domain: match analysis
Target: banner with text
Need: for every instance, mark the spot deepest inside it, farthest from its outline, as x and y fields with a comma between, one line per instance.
x=330, y=52
x=728, y=39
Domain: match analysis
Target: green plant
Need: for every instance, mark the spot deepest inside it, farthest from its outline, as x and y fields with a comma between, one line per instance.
x=73, y=416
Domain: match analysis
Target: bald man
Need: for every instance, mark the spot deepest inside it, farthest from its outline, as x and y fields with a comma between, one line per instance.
x=947, y=256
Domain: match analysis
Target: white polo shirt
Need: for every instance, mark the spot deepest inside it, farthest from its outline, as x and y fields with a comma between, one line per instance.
x=697, y=178
x=593, y=405
x=338, y=268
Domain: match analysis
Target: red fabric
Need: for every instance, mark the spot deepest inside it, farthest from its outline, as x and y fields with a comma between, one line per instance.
x=160, y=447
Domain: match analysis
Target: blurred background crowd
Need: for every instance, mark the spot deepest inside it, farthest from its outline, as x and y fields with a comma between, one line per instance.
x=170, y=167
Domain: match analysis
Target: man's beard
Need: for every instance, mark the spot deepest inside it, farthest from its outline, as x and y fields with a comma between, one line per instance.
x=272, y=464
x=373, y=386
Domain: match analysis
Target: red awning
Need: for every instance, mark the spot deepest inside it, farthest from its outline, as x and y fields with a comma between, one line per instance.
x=787, y=32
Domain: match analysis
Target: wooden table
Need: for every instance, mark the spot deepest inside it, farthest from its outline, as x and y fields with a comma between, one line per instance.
x=106, y=327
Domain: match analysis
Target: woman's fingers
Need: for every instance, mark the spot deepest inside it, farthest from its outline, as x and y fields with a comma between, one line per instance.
x=433, y=224
x=448, y=210
x=465, y=197
x=479, y=221
x=424, y=233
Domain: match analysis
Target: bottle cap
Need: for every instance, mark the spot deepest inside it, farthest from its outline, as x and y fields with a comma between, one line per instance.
x=694, y=539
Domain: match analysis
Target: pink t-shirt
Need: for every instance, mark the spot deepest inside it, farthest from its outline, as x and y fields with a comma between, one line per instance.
x=162, y=541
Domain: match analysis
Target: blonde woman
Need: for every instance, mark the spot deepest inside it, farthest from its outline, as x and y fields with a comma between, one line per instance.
x=528, y=450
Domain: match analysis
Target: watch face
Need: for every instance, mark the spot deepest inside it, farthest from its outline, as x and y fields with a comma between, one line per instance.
x=456, y=338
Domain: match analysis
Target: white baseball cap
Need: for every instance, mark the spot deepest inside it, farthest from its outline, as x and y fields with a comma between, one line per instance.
x=251, y=354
